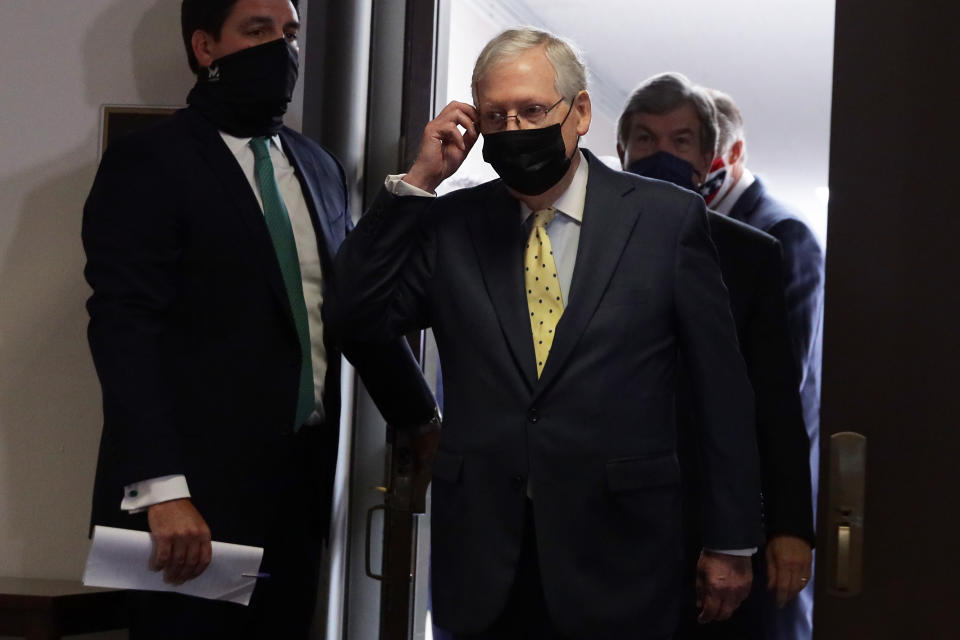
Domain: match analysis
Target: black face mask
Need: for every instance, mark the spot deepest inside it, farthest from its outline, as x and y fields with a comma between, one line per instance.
x=529, y=161
x=246, y=93
x=665, y=166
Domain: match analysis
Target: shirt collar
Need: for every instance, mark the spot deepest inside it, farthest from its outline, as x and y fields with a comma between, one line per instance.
x=236, y=145
x=725, y=206
x=570, y=203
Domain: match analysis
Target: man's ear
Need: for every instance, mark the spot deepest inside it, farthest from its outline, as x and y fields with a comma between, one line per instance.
x=581, y=104
x=620, y=153
x=735, y=154
x=202, y=44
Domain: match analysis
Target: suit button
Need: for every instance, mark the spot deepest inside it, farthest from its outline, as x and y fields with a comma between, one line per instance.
x=532, y=415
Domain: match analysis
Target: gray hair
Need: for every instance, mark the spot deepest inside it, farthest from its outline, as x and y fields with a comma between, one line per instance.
x=729, y=119
x=665, y=92
x=566, y=58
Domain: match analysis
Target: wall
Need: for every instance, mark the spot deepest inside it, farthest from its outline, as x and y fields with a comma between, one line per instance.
x=59, y=62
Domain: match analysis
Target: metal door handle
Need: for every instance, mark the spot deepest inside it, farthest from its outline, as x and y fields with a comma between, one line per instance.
x=366, y=551
x=847, y=493
x=842, y=579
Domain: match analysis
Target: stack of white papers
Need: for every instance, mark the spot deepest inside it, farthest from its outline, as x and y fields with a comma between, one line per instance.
x=120, y=559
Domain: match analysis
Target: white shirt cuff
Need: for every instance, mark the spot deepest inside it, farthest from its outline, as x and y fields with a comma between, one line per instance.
x=395, y=185
x=735, y=552
x=140, y=495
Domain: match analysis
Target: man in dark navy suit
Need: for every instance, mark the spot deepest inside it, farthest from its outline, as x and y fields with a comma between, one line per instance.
x=742, y=196
x=668, y=130
x=562, y=296
x=210, y=241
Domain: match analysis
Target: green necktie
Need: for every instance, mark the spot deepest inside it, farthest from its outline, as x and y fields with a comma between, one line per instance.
x=281, y=232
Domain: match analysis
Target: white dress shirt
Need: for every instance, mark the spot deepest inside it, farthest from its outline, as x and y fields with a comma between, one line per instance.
x=725, y=206
x=140, y=495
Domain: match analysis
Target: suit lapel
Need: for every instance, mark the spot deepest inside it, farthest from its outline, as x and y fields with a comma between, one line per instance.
x=497, y=235
x=327, y=240
x=747, y=202
x=606, y=227
x=216, y=154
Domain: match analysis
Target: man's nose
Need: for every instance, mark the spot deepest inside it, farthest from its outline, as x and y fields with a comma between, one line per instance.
x=513, y=122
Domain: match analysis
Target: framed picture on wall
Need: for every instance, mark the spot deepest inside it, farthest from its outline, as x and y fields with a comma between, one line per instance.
x=120, y=119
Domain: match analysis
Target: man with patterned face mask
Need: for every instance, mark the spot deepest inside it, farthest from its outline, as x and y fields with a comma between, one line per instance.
x=210, y=242
x=745, y=198
x=562, y=297
x=668, y=130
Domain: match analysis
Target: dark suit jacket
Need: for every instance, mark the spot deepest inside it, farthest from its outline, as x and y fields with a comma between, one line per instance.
x=191, y=330
x=802, y=269
x=595, y=436
x=750, y=263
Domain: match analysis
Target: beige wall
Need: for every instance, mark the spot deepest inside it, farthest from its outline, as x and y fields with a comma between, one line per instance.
x=59, y=61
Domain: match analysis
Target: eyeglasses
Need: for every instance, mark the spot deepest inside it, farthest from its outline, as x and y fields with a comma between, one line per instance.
x=531, y=115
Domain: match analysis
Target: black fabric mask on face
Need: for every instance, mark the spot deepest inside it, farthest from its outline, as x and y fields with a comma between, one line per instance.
x=529, y=161
x=665, y=166
x=246, y=93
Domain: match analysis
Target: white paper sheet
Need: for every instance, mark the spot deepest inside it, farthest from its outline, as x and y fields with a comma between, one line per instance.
x=120, y=559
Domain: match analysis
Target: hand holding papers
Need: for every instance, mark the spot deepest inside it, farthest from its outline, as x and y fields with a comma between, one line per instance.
x=120, y=559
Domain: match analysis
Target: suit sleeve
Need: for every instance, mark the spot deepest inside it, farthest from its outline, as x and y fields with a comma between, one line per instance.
x=384, y=362
x=132, y=238
x=803, y=274
x=722, y=393
x=781, y=435
x=383, y=272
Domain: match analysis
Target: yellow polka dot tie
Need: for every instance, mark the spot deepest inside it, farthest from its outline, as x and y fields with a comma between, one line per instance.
x=544, y=300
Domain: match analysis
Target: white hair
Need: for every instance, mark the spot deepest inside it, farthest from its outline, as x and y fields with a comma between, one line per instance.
x=566, y=58
x=730, y=120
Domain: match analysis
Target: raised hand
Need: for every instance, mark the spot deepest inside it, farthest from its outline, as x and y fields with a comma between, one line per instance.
x=444, y=148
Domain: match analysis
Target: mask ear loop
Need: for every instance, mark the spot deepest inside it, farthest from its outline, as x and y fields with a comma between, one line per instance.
x=576, y=145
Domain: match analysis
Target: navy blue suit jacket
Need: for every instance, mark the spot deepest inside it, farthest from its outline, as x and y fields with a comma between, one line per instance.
x=803, y=273
x=192, y=334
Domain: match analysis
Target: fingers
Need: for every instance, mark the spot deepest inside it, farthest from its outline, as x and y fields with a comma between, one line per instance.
x=797, y=583
x=448, y=133
x=445, y=128
x=177, y=569
x=189, y=555
x=789, y=561
x=788, y=585
x=443, y=147
x=182, y=548
x=161, y=553
x=723, y=582
x=709, y=609
x=720, y=601
x=778, y=578
x=466, y=114
x=772, y=569
x=469, y=123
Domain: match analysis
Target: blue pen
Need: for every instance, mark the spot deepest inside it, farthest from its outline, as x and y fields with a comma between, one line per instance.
x=255, y=575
